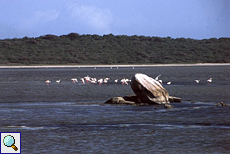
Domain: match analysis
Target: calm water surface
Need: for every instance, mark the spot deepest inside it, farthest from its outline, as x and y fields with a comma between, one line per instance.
x=71, y=118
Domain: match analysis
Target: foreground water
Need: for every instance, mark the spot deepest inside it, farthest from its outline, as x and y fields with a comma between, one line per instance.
x=71, y=117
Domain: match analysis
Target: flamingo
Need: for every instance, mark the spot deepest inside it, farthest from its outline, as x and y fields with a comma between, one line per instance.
x=105, y=81
x=82, y=80
x=74, y=80
x=100, y=81
x=48, y=82
x=87, y=78
x=127, y=80
x=116, y=80
x=124, y=81
x=209, y=80
x=93, y=81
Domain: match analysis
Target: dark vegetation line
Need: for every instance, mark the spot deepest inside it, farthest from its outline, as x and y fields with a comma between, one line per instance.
x=112, y=49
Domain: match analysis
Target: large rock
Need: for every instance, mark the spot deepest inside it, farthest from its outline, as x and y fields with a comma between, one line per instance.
x=149, y=90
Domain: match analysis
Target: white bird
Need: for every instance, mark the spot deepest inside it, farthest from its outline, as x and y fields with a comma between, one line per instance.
x=48, y=82
x=197, y=81
x=209, y=80
x=157, y=78
x=160, y=81
x=93, y=81
x=87, y=78
x=169, y=82
x=105, y=80
x=116, y=80
x=58, y=81
x=74, y=80
x=125, y=81
x=100, y=81
x=82, y=80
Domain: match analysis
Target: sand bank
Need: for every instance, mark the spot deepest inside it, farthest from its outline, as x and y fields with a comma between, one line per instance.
x=133, y=65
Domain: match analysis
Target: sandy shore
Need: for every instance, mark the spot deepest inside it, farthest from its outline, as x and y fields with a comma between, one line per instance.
x=138, y=65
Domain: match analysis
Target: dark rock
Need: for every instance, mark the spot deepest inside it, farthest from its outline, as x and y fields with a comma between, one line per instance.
x=132, y=98
x=168, y=106
x=149, y=90
x=135, y=100
x=119, y=100
x=173, y=99
x=220, y=104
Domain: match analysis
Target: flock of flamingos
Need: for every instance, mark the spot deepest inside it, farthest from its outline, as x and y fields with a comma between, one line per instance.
x=124, y=81
x=88, y=79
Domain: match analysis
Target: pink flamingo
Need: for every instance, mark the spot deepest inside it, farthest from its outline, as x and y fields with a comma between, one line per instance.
x=100, y=81
x=82, y=80
x=48, y=82
x=87, y=78
x=74, y=80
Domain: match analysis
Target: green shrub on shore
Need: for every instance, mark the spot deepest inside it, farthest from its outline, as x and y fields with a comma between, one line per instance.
x=112, y=49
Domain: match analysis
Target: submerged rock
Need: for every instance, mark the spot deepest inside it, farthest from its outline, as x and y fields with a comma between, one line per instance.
x=149, y=90
x=135, y=100
x=168, y=106
x=173, y=99
x=220, y=104
x=126, y=100
x=119, y=100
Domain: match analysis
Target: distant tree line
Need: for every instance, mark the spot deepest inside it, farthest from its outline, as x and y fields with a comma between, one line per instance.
x=112, y=49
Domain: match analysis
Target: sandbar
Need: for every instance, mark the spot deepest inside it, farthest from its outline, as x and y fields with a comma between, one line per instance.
x=116, y=65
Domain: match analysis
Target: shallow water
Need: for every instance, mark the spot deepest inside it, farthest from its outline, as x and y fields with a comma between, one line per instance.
x=71, y=118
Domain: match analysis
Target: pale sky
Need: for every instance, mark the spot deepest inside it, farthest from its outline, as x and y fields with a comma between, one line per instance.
x=197, y=19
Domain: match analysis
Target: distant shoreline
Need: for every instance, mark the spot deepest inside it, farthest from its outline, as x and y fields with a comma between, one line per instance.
x=125, y=65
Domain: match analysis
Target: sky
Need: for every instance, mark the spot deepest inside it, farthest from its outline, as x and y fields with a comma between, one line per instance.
x=196, y=19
